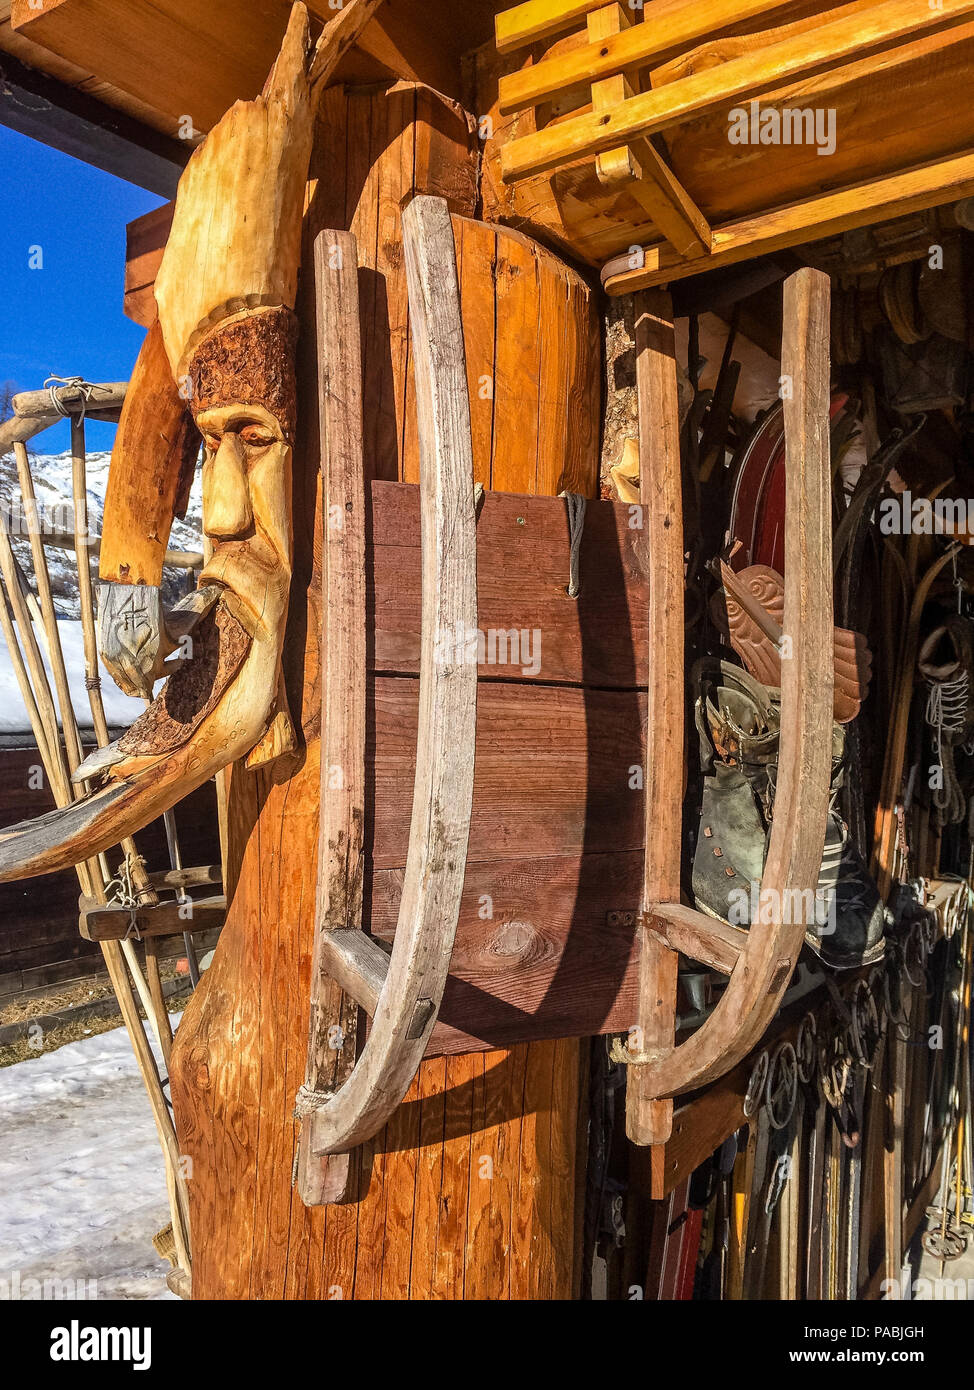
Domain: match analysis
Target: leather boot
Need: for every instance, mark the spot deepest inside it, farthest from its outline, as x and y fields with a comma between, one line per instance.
x=738, y=722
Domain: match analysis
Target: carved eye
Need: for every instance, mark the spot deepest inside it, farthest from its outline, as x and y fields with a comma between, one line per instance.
x=256, y=435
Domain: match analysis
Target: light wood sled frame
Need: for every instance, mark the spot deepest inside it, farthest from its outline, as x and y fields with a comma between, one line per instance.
x=402, y=991
x=760, y=961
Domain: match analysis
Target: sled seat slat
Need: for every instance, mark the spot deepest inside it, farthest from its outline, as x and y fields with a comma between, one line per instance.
x=705, y=939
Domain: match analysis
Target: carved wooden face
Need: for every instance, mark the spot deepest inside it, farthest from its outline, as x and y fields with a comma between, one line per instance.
x=246, y=505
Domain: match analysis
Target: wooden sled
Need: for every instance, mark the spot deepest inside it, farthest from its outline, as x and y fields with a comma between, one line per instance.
x=626, y=968
x=759, y=962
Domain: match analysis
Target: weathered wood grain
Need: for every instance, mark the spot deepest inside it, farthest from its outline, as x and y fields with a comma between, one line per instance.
x=341, y=867
x=447, y=700
x=597, y=639
x=648, y=1118
x=547, y=963
x=556, y=771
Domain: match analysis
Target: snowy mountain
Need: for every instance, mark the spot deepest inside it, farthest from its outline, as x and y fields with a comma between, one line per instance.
x=52, y=484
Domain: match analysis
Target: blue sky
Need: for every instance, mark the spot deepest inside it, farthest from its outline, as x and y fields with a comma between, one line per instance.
x=65, y=318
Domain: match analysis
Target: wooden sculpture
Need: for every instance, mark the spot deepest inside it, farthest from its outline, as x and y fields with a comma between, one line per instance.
x=226, y=292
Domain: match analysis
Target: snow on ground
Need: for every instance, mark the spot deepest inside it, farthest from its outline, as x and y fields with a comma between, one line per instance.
x=82, y=1185
x=120, y=710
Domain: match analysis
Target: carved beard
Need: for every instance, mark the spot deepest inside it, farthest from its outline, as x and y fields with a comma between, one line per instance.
x=218, y=704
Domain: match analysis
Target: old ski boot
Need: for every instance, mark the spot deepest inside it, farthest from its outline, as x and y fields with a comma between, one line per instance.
x=737, y=723
x=850, y=918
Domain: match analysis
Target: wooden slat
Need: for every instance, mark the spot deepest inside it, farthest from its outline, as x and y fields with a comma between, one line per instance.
x=341, y=867
x=553, y=774
x=706, y=939
x=677, y=22
x=928, y=185
x=547, y=963
x=538, y=19
x=598, y=639
x=354, y=961
x=443, y=788
x=649, y=1118
x=890, y=24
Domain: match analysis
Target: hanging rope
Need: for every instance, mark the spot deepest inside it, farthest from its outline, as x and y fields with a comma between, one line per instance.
x=576, y=527
x=945, y=713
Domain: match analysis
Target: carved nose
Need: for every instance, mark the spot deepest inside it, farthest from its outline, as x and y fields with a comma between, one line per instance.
x=226, y=497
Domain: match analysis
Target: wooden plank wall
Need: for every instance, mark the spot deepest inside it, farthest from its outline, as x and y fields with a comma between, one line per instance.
x=556, y=831
x=470, y=1191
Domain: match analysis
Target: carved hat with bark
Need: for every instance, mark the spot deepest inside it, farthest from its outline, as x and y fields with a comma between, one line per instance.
x=231, y=262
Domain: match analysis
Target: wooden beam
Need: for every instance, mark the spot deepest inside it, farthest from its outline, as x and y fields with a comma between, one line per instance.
x=357, y=963
x=675, y=22
x=654, y=185
x=706, y=939
x=659, y=193
x=109, y=395
x=927, y=186
x=648, y=1117
x=189, y=59
x=892, y=24
x=112, y=922
x=68, y=119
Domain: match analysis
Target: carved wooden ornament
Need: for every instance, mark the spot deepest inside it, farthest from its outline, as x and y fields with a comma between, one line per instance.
x=226, y=292
x=755, y=599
